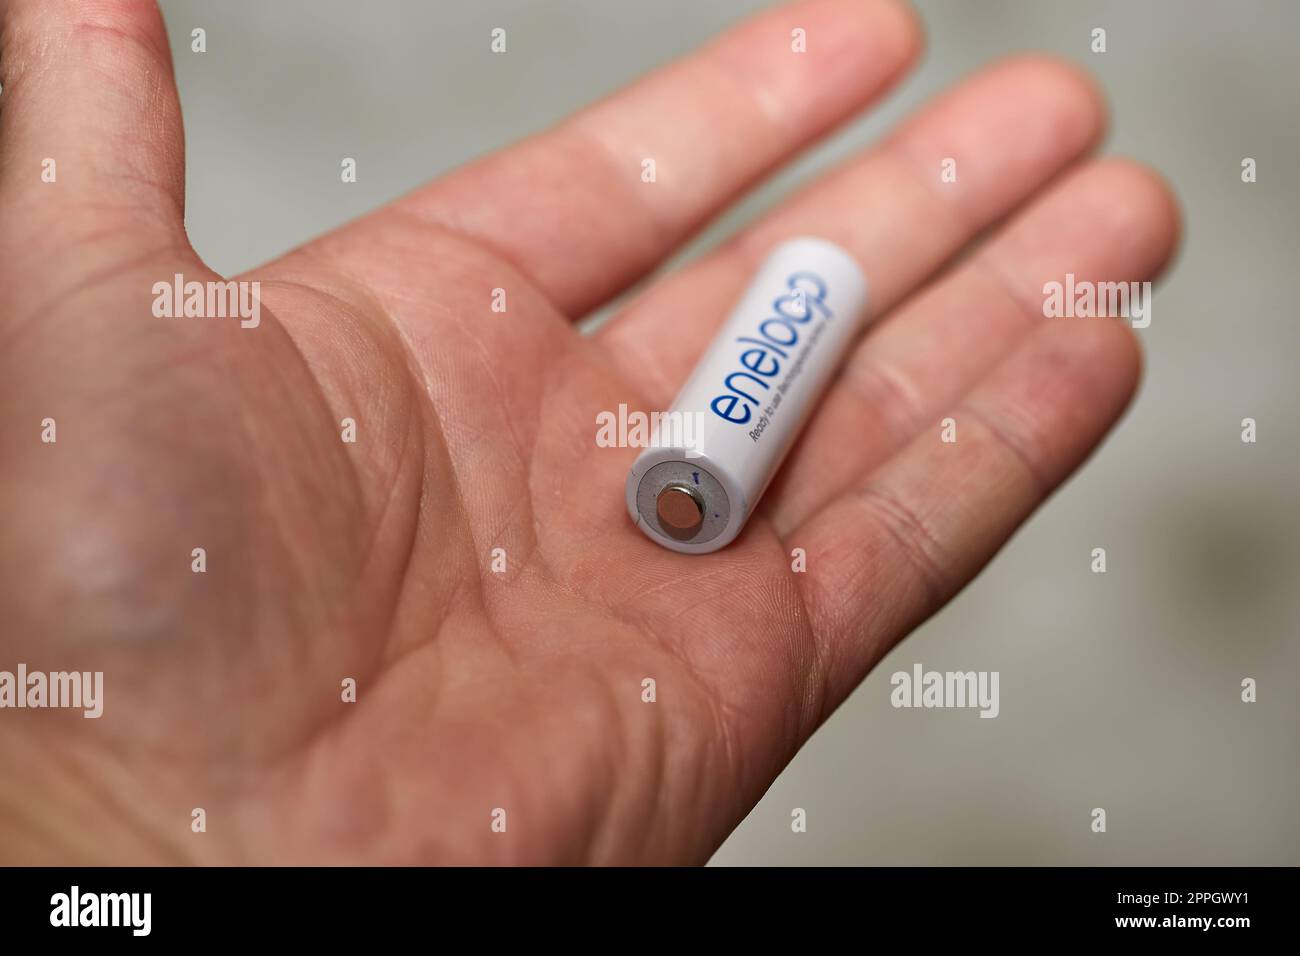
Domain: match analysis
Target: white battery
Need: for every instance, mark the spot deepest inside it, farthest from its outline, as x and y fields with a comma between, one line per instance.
x=714, y=453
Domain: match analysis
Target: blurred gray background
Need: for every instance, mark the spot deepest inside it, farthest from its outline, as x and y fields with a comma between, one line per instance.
x=1118, y=690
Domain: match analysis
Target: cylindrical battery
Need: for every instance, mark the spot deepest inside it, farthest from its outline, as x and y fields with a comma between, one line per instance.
x=714, y=453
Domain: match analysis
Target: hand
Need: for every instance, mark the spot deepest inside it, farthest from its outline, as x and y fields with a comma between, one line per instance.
x=521, y=690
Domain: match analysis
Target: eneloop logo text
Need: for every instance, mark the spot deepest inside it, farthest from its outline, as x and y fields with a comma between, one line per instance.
x=772, y=344
x=133, y=910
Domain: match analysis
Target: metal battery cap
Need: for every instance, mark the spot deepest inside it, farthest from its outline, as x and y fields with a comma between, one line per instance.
x=680, y=511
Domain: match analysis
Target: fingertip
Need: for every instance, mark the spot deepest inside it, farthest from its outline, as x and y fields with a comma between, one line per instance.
x=848, y=50
x=1154, y=205
x=1107, y=353
x=1119, y=359
x=1129, y=200
x=1077, y=97
x=1003, y=132
x=901, y=26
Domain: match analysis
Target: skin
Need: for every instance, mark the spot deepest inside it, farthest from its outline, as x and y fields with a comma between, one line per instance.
x=476, y=430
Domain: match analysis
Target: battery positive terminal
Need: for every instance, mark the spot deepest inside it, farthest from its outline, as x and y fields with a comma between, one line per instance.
x=680, y=511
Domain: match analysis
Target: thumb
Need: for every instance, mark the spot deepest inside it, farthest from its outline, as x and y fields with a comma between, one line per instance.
x=89, y=116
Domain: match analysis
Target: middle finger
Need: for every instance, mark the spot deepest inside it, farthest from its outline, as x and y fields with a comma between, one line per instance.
x=1009, y=129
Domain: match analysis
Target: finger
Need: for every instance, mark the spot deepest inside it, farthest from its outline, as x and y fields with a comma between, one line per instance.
x=570, y=207
x=886, y=555
x=90, y=114
x=1108, y=221
x=1009, y=128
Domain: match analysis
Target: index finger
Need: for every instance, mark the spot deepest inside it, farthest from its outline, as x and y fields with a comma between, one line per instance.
x=587, y=207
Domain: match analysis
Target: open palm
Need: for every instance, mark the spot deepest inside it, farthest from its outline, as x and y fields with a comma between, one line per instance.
x=468, y=560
